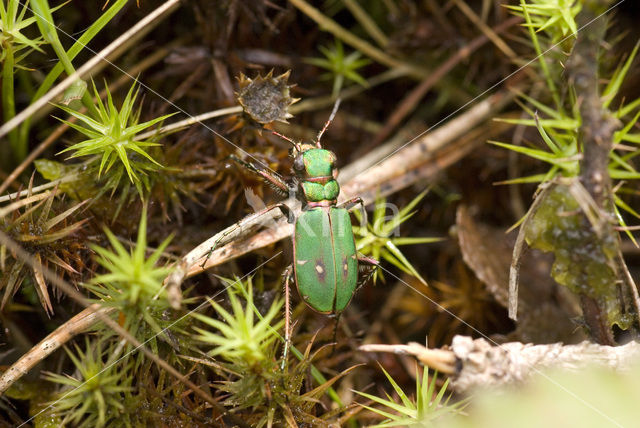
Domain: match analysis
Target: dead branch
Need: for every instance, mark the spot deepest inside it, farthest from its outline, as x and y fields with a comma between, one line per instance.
x=473, y=363
x=596, y=135
x=485, y=364
x=78, y=324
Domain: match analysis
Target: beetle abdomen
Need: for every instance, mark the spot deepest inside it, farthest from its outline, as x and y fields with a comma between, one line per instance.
x=325, y=262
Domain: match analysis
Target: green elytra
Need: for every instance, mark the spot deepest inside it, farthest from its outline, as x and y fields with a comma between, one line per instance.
x=325, y=265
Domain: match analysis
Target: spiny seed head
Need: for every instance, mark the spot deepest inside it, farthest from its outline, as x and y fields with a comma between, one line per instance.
x=265, y=99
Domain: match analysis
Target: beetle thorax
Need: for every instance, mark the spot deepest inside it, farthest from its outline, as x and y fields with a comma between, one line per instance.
x=317, y=172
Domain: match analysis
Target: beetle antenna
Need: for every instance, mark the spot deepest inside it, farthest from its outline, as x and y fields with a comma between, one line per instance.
x=326, y=125
x=284, y=137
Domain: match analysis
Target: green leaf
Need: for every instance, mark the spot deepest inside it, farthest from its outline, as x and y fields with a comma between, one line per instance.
x=416, y=240
x=628, y=108
x=620, y=203
x=420, y=412
x=340, y=67
x=534, y=153
x=613, y=87
x=567, y=124
x=80, y=43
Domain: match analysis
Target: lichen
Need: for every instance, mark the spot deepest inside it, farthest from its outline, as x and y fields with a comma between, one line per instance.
x=584, y=261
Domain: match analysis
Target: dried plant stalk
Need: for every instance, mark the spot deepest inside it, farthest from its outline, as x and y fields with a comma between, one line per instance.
x=474, y=363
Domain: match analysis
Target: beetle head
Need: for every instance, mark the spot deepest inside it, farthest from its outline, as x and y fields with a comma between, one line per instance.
x=315, y=164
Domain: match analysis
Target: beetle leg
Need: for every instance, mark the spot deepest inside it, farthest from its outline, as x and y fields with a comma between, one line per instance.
x=273, y=179
x=335, y=333
x=352, y=203
x=246, y=224
x=369, y=261
x=288, y=212
x=287, y=314
x=368, y=265
x=213, y=247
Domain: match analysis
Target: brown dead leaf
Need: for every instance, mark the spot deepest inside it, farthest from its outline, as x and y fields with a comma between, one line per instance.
x=546, y=309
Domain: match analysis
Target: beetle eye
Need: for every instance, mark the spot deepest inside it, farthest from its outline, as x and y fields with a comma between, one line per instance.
x=298, y=164
x=332, y=158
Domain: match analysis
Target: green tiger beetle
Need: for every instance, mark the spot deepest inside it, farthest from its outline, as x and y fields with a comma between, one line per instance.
x=325, y=263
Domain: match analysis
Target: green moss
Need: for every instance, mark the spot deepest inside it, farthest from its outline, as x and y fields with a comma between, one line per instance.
x=583, y=260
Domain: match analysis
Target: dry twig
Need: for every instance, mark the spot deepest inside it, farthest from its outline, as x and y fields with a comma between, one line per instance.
x=474, y=363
